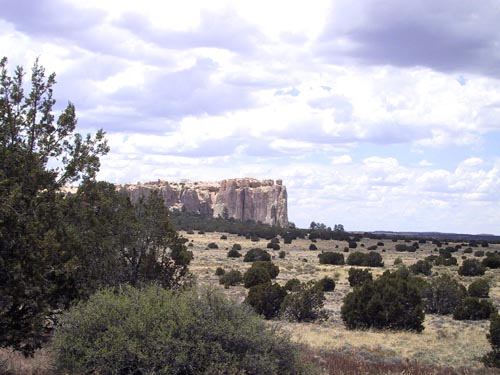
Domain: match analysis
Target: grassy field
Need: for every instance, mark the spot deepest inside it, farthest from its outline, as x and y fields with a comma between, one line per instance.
x=444, y=341
x=445, y=346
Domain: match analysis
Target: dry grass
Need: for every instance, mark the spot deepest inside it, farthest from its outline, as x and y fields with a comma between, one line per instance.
x=16, y=364
x=444, y=341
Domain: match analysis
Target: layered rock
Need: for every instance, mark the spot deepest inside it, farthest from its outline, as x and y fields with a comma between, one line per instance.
x=241, y=198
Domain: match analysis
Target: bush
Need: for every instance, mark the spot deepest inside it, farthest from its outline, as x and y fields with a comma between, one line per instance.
x=472, y=308
x=397, y=261
x=492, y=359
x=266, y=299
x=282, y=254
x=327, y=284
x=371, y=259
x=233, y=253
x=468, y=251
x=313, y=247
x=156, y=331
x=471, y=267
x=273, y=246
x=392, y=301
x=237, y=247
x=223, y=237
x=255, y=276
x=373, y=247
x=231, y=278
x=353, y=245
x=304, y=303
x=423, y=267
x=479, y=253
x=380, y=243
x=492, y=261
x=331, y=258
x=256, y=254
x=292, y=284
x=441, y=261
x=270, y=267
x=442, y=295
x=479, y=288
x=212, y=245
x=219, y=271
x=358, y=276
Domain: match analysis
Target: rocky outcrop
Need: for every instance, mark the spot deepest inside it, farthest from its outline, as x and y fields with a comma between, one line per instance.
x=240, y=198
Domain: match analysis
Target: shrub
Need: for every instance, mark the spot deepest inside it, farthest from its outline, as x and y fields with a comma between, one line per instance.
x=398, y=261
x=442, y=294
x=353, y=245
x=231, y=278
x=421, y=266
x=313, y=247
x=472, y=308
x=223, y=237
x=358, y=276
x=492, y=359
x=255, y=276
x=380, y=243
x=304, y=303
x=212, y=245
x=292, y=284
x=331, y=258
x=156, y=331
x=371, y=259
x=236, y=246
x=201, y=232
x=492, y=261
x=273, y=246
x=479, y=253
x=270, y=267
x=190, y=232
x=256, y=254
x=282, y=254
x=468, y=251
x=266, y=299
x=233, y=253
x=254, y=238
x=327, y=284
x=219, y=271
x=392, y=301
x=275, y=240
x=479, y=288
x=471, y=267
x=373, y=247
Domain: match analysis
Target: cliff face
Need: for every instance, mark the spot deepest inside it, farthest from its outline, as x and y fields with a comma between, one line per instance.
x=241, y=198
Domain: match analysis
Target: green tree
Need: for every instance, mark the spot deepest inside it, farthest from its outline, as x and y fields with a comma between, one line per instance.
x=266, y=299
x=304, y=303
x=32, y=234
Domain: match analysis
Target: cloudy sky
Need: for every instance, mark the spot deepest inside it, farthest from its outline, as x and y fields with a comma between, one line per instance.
x=380, y=115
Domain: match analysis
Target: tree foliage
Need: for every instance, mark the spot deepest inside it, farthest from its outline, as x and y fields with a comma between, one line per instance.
x=39, y=154
x=303, y=303
x=392, y=301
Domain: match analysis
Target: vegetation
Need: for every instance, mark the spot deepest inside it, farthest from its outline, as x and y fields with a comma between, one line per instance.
x=327, y=284
x=153, y=330
x=492, y=359
x=479, y=288
x=256, y=254
x=442, y=294
x=471, y=267
x=471, y=308
x=256, y=276
x=392, y=301
x=370, y=259
x=303, y=303
x=231, y=278
x=266, y=299
x=359, y=276
x=331, y=258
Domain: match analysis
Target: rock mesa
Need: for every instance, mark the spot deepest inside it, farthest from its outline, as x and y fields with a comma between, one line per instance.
x=240, y=198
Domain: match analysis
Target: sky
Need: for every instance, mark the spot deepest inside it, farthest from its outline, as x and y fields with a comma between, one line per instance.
x=378, y=115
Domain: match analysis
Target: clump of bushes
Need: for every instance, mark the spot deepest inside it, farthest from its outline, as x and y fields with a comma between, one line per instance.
x=282, y=254
x=492, y=359
x=352, y=244
x=370, y=259
x=236, y=246
x=401, y=247
x=359, y=276
x=212, y=245
x=392, y=301
x=273, y=246
x=492, y=260
x=313, y=247
x=231, y=278
x=479, y=288
x=256, y=276
x=330, y=257
x=220, y=271
x=194, y=333
x=441, y=260
x=471, y=267
x=223, y=237
x=256, y=254
x=472, y=308
x=292, y=284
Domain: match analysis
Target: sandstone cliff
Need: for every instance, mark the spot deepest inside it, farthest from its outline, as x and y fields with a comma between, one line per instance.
x=241, y=198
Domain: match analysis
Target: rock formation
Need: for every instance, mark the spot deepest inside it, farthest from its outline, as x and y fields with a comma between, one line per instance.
x=240, y=198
